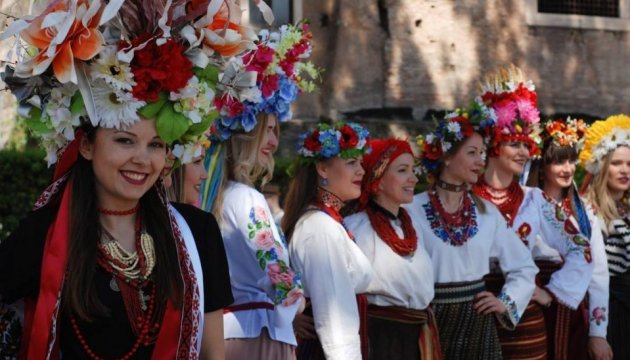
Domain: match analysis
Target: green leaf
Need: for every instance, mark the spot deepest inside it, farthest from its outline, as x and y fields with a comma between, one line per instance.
x=151, y=110
x=262, y=262
x=76, y=104
x=170, y=124
x=258, y=226
x=252, y=234
x=250, y=226
x=259, y=254
x=210, y=74
x=200, y=128
x=34, y=121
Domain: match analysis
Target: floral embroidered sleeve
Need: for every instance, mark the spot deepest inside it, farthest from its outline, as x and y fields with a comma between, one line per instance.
x=560, y=231
x=271, y=254
x=598, y=287
x=519, y=269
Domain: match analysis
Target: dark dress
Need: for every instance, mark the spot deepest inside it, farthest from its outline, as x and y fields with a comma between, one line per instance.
x=108, y=336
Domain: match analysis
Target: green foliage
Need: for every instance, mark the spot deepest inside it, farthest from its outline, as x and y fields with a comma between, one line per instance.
x=23, y=176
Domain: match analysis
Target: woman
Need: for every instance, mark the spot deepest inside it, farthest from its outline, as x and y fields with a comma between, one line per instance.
x=107, y=268
x=606, y=157
x=186, y=180
x=334, y=269
x=461, y=233
x=268, y=293
x=400, y=323
x=572, y=334
x=512, y=129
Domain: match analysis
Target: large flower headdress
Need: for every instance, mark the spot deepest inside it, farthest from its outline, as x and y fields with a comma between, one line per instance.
x=345, y=140
x=115, y=62
x=265, y=79
x=569, y=132
x=455, y=127
x=513, y=113
x=603, y=137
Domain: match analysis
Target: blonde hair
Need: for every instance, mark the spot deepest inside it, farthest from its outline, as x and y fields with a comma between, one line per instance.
x=241, y=160
x=599, y=195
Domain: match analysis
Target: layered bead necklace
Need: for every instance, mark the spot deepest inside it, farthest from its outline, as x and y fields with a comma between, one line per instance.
x=455, y=227
x=507, y=200
x=131, y=272
x=381, y=223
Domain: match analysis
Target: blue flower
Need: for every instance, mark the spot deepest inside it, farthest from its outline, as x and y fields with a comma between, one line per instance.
x=330, y=143
x=288, y=90
x=248, y=120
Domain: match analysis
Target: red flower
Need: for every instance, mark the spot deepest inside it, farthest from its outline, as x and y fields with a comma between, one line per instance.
x=312, y=143
x=228, y=105
x=348, y=139
x=269, y=85
x=432, y=151
x=159, y=68
x=259, y=59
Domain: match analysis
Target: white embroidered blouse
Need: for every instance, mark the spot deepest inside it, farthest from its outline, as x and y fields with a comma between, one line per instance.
x=260, y=271
x=405, y=281
x=489, y=238
x=334, y=270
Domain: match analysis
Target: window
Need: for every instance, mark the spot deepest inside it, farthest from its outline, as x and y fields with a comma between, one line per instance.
x=284, y=11
x=611, y=15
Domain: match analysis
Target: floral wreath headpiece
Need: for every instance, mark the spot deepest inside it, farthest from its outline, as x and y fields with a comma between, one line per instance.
x=603, y=137
x=455, y=127
x=265, y=79
x=512, y=109
x=569, y=132
x=119, y=61
x=345, y=140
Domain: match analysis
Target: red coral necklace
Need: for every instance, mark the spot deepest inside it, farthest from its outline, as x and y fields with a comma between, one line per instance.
x=507, y=200
x=381, y=223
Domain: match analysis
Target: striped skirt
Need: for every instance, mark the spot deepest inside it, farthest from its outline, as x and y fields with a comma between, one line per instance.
x=619, y=320
x=529, y=339
x=464, y=334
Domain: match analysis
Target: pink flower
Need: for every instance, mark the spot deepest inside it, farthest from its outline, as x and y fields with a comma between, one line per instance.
x=264, y=239
x=278, y=277
x=292, y=297
x=274, y=269
x=261, y=214
x=506, y=113
x=528, y=111
x=598, y=313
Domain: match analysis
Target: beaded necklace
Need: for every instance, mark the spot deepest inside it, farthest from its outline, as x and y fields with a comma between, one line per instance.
x=457, y=227
x=131, y=277
x=623, y=206
x=384, y=229
x=331, y=204
x=507, y=200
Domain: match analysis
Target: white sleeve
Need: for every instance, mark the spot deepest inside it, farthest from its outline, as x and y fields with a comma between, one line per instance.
x=519, y=269
x=331, y=291
x=569, y=283
x=598, y=287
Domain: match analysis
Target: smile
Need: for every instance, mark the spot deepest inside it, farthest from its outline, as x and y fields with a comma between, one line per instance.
x=134, y=177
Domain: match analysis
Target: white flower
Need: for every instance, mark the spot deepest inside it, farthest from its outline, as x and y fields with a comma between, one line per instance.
x=453, y=127
x=306, y=153
x=52, y=142
x=186, y=153
x=116, y=73
x=115, y=109
x=446, y=146
x=430, y=138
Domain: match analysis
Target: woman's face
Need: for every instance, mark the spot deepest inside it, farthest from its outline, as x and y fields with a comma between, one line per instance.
x=558, y=175
x=269, y=142
x=344, y=177
x=512, y=157
x=465, y=166
x=398, y=182
x=126, y=163
x=194, y=174
x=619, y=170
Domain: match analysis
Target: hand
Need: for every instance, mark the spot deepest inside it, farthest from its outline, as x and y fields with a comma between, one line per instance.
x=486, y=303
x=542, y=296
x=304, y=327
x=598, y=348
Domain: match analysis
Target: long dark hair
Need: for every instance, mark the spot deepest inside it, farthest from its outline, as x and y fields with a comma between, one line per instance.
x=302, y=192
x=552, y=153
x=79, y=293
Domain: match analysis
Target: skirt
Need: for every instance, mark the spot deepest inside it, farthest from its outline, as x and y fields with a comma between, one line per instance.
x=619, y=320
x=464, y=334
x=261, y=348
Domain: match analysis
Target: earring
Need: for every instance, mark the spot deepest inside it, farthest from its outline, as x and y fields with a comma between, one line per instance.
x=324, y=182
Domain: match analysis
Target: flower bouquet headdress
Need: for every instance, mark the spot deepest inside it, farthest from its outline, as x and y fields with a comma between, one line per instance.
x=455, y=127
x=512, y=108
x=568, y=132
x=111, y=63
x=603, y=137
x=344, y=140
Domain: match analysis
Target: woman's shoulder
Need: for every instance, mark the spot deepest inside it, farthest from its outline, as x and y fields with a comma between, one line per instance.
x=239, y=194
x=357, y=220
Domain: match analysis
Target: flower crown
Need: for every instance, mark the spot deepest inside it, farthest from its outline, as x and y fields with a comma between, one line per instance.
x=326, y=141
x=265, y=79
x=569, y=132
x=512, y=109
x=455, y=127
x=603, y=137
x=118, y=61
